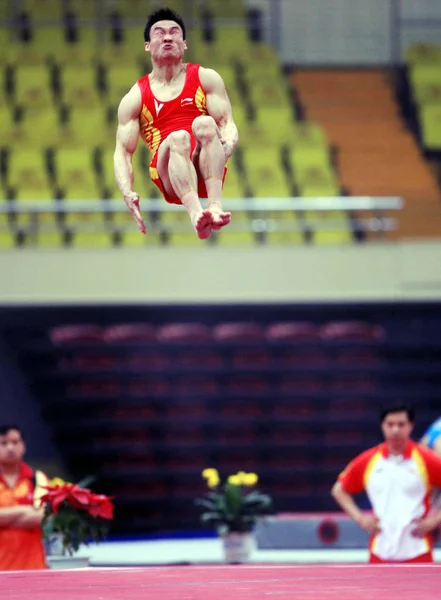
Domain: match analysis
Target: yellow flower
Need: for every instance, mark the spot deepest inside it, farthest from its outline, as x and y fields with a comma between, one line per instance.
x=250, y=479
x=213, y=481
x=208, y=473
x=242, y=477
x=234, y=479
x=57, y=481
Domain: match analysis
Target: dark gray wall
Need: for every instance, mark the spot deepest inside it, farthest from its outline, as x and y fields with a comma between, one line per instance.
x=19, y=407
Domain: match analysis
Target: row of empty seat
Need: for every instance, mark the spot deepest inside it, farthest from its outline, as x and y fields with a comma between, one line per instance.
x=199, y=332
x=211, y=361
x=41, y=11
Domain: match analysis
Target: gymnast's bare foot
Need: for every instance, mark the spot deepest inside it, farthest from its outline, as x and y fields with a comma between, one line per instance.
x=202, y=222
x=219, y=218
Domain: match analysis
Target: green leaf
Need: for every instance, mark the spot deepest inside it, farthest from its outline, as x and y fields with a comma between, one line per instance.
x=85, y=483
x=233, y=498
x=206, y=503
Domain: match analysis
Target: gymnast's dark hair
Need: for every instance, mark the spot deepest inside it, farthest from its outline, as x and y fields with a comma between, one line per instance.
x=163, y=14
x=5, y=429
x=396, y=407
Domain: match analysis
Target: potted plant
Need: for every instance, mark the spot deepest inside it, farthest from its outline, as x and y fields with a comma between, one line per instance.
x=233, y=507
x=73, y=515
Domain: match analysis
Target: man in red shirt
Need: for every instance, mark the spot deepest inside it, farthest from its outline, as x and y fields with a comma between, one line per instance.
x=183, y=113
x=398, y=476
x=20, y=517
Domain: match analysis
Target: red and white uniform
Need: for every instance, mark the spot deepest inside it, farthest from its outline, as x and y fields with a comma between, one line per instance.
x=158, y=119
x=399, y=489
x=21, y=549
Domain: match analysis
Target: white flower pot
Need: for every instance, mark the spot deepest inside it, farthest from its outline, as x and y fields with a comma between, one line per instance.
x=53, y=545
x=58, y=558
x=237, y=547
x=67, y=562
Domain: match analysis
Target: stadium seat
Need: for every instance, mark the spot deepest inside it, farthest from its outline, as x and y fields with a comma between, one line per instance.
x=421, y=76
x=299, y=385
x=238, y=332
x=307, y=357
x=314, y=156
x=148, y=388
x=246, y=385
x=84, y=9
x=277, y=126
x=47, y=43
x=238, y=408
x=33, y=87
x=194, y=385
x=351, y=383
x=42, y=9
x=427, y=93
x=195, y=358
x=27, y=174
x=75, y=174
x=37, y=130
x=316, y=181
x=251, y=357
x=259, y=60
x=119, y=80
x=129, y=52
x=79, y=87
x=176, y=5
x=224, y=8
x=97, y=388
x=292, y=331
x=423, y=53
x=265, y=173
x=88, y=362
x=227, y=46
x=263, y=134
x=430, y=118
x=144, y=360
x=76, y=334
x=269, y=94
x=351, y=330
x=187, y=333
x=355, y=356
x=86, y=128
x=130, y=332
x=309, y=134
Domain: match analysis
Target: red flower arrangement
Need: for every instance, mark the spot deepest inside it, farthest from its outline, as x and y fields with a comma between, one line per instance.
x=76, y=513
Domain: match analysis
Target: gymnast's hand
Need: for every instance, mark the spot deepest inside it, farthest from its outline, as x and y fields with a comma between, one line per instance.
x=369, y=523
x=132, y=201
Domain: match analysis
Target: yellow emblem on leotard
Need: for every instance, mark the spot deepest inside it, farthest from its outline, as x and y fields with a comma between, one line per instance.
x=200, y=101
x=150, y=135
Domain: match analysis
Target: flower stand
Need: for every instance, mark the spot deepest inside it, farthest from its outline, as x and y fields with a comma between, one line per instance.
x=56, y=556
x=237, y=547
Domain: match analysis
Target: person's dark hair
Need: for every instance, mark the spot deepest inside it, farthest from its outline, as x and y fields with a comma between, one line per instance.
x=396, y=408
x=5, y=429
x=163, y=14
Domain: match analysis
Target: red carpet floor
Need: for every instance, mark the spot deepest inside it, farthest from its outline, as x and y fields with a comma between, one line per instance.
x=357, y=582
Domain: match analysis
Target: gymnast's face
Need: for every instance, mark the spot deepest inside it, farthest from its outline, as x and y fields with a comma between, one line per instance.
x=166, y=44
x=12, y=449
x=397, y=429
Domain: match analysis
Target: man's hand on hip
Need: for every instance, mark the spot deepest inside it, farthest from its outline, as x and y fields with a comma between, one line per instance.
x=425, y=526
x=369, y=523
